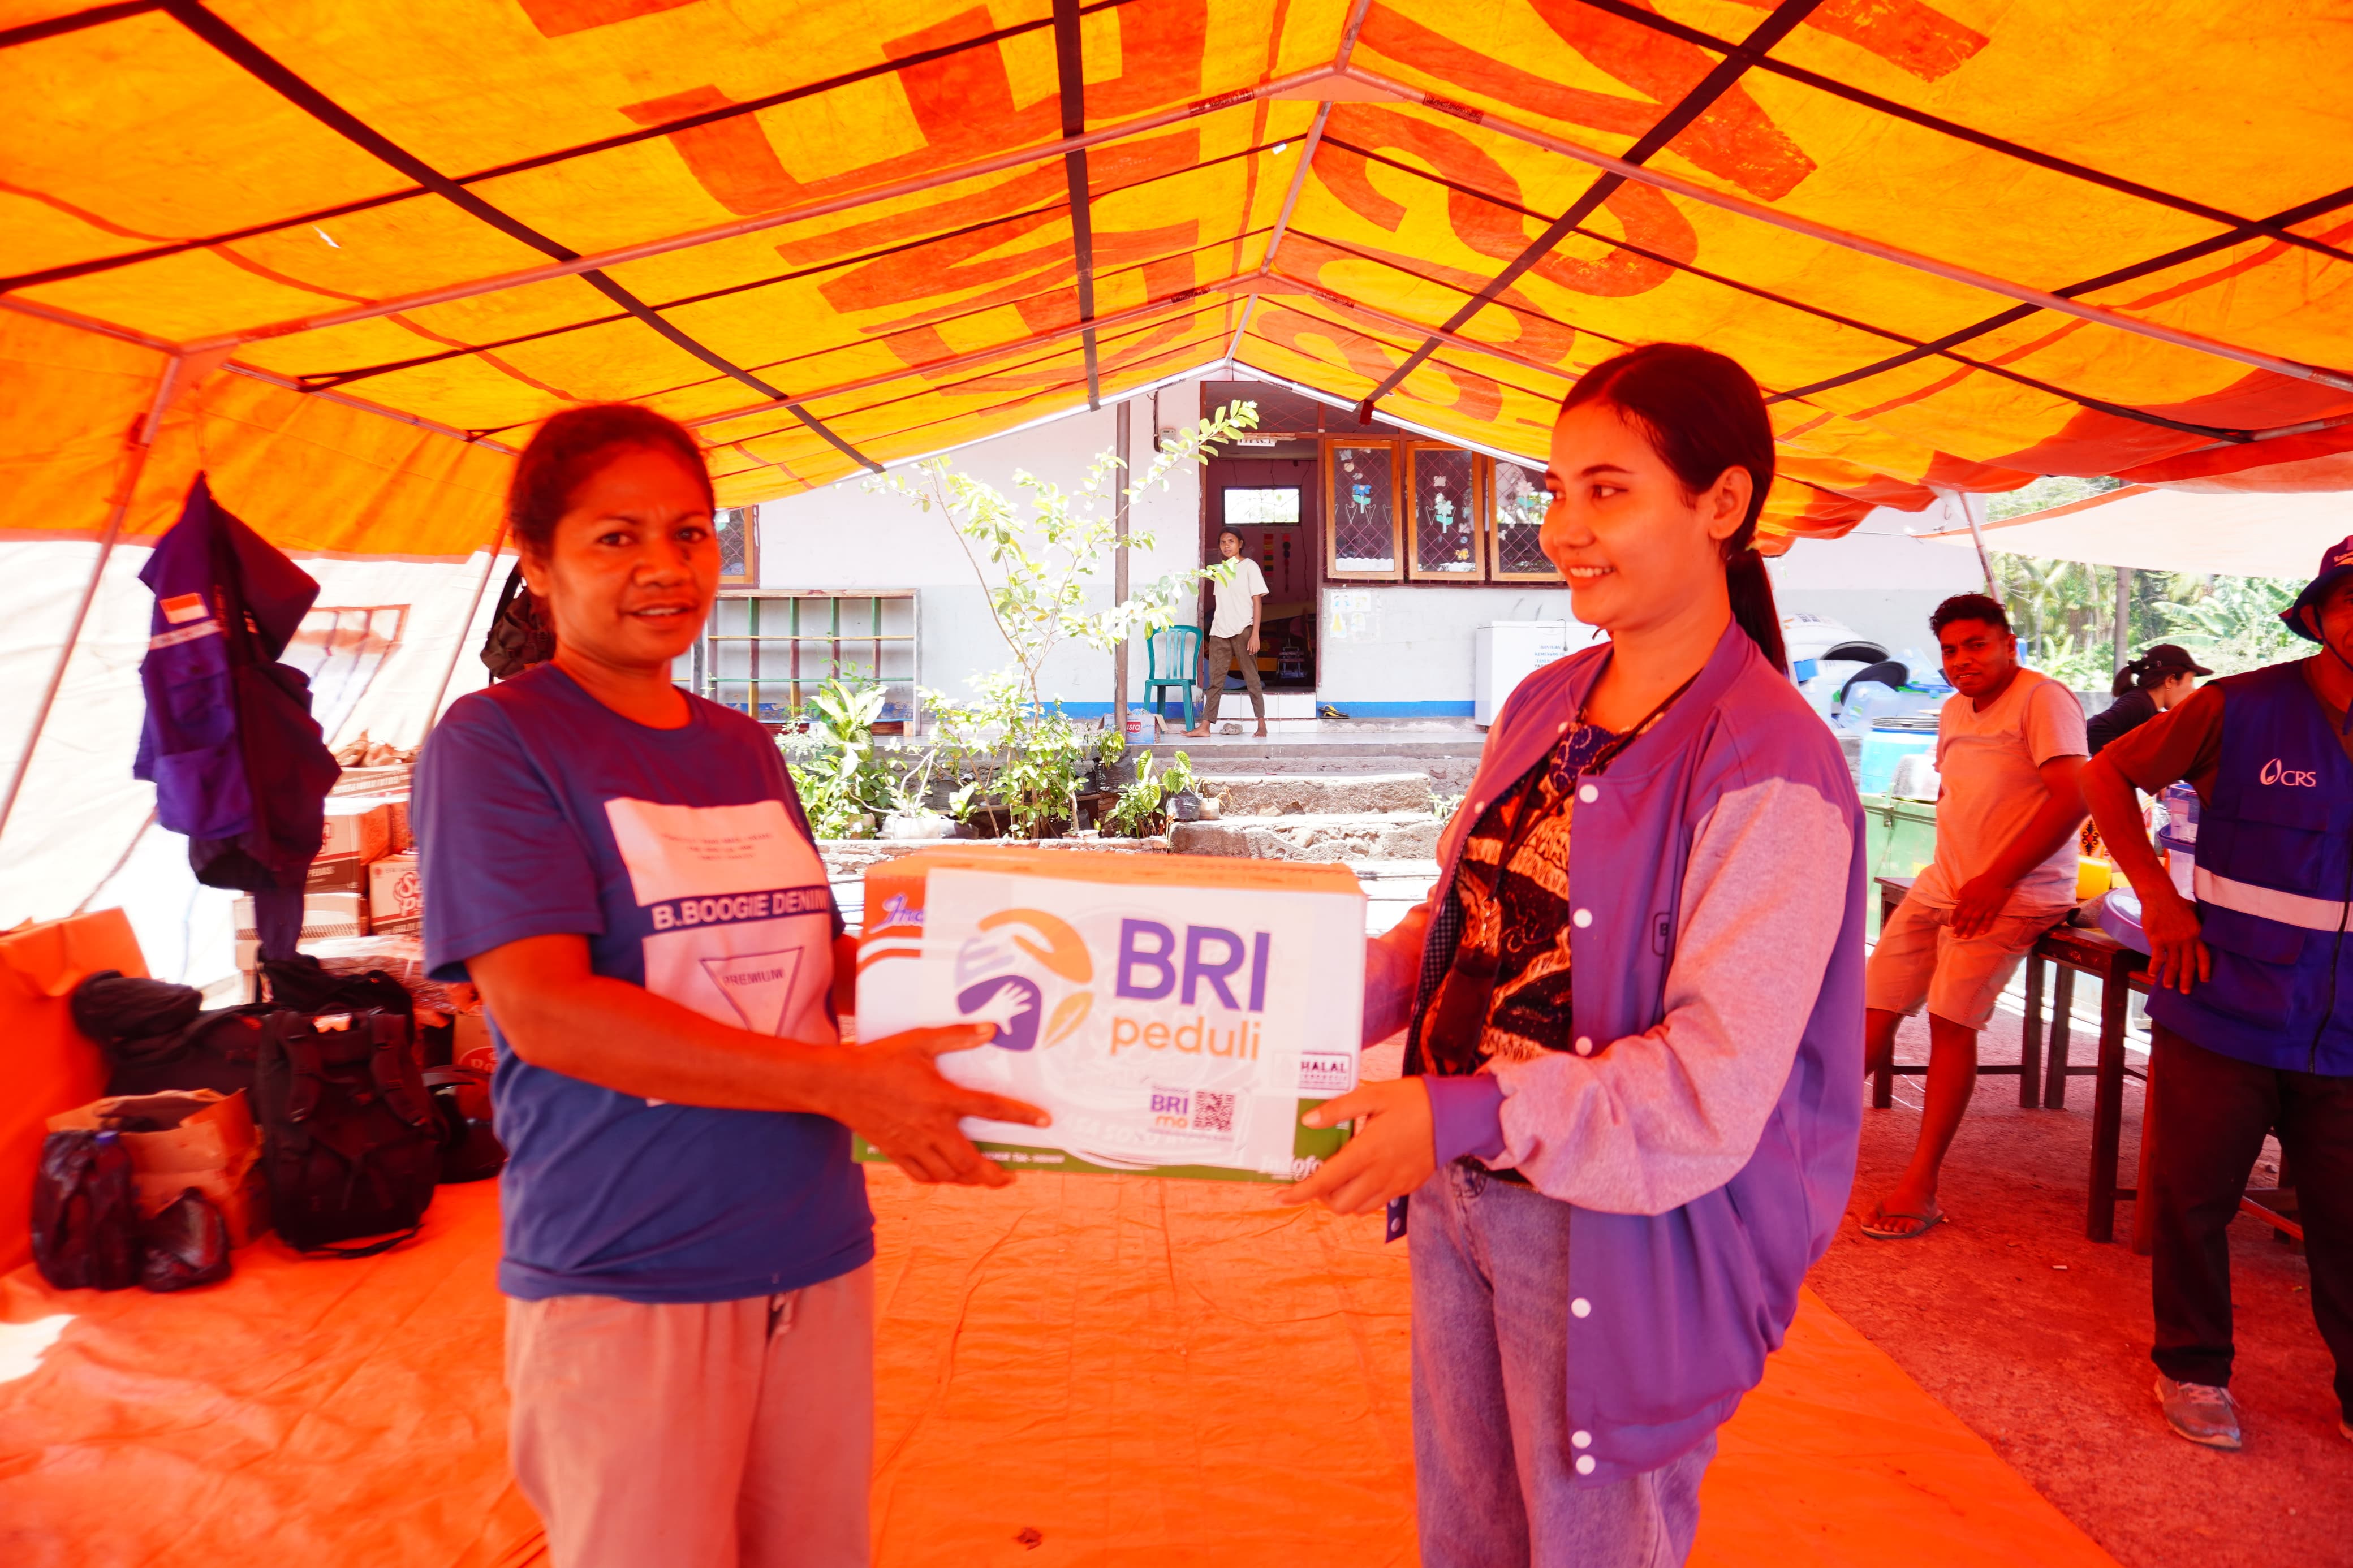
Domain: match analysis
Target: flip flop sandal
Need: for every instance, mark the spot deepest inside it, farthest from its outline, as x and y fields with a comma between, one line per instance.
x=1926, y=1223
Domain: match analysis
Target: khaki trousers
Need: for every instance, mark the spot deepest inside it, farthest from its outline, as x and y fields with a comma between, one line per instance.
x=1224, y=653
x=698, y=1435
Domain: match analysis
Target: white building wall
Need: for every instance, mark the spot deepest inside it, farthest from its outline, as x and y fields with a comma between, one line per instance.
x=850, y=535
x=1407, y=651
x=1411, y=653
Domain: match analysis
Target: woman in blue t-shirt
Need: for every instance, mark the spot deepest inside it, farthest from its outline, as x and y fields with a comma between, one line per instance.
x=624, y=871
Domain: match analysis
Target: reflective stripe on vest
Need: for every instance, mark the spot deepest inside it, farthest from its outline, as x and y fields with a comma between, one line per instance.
x=2270, y=903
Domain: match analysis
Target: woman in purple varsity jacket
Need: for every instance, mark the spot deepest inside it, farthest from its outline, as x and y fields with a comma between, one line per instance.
x=1634, y=1063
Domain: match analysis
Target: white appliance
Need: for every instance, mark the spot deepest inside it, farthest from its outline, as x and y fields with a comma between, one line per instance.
x=1505, y=653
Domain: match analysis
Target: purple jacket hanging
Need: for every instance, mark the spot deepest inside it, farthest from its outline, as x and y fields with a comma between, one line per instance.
x=237, y=762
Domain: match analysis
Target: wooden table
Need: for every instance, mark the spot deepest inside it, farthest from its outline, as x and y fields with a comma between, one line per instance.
x=2121, y=971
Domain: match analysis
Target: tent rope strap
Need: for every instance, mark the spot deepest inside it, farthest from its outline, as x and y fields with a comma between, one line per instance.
x=1952, y=271
x=140, y=442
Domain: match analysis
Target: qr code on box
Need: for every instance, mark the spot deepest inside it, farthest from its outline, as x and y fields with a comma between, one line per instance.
x=1213, y=1113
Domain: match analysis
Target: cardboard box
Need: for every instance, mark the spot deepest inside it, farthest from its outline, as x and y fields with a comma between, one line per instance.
x=395, y=903
x=356, y=825
x=1177, y=1015
x=208, y=1143
x=470, y=1045
x=323, y=915
x=336, y=874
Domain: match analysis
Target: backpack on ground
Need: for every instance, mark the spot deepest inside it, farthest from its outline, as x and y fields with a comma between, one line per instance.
x=470, y=1150
x=349, y=1140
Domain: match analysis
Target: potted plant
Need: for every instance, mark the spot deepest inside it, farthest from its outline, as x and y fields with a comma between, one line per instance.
x=1181, y=790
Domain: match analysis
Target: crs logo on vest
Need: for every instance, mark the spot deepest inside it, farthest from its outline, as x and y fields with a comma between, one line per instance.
x=995, y=985
x=2295, y=778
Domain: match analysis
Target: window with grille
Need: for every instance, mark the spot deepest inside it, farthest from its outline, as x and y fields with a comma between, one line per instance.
x=1518, y=507
x=739, y=545
x=1363, y=531
x=1442, y=485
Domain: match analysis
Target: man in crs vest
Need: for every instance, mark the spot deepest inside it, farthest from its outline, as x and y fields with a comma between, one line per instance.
x=2251, y=988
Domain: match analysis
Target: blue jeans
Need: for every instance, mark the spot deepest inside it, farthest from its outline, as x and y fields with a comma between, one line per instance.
x=1493, y=1459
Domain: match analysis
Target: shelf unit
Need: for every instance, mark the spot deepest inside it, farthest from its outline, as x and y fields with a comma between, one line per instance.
x=765, y=650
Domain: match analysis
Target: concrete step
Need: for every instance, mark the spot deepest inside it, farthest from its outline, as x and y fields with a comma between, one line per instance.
x=1360, y=835
x=1451, y=773
x=1294, y=794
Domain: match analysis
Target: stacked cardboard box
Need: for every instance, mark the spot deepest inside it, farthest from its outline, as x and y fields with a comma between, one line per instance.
x=339, y=892
x=395, y=903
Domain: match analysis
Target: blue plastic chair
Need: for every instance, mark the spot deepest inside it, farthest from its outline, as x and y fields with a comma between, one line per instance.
x=1184, y=646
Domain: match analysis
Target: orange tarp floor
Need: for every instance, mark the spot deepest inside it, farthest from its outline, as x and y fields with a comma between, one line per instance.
x=1137, y=1371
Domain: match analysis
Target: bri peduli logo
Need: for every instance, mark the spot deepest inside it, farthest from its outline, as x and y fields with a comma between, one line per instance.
x=1031, y=973
x=1155, y=967
x=2295, y=778
x=991, y=987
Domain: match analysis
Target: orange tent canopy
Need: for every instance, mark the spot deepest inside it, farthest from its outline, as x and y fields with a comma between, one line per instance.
x=344, y=256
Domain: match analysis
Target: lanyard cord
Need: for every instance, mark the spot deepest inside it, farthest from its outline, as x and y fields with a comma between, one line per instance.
x=1524, y=822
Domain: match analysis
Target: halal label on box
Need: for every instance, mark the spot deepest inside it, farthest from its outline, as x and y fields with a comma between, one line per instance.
x=1176, y=1014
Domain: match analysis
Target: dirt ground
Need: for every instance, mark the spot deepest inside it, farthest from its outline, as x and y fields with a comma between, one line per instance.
x=2039, y=1337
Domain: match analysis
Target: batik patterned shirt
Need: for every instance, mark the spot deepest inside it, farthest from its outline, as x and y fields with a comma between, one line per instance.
x=1514, y=925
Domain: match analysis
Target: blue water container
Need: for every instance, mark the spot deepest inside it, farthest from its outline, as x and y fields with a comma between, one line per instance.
x=2181, y=862
x=2181, y=810
x=1885, y=743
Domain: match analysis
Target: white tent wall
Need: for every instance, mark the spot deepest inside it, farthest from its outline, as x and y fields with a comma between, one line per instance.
x=849, y=535
x=80, y=835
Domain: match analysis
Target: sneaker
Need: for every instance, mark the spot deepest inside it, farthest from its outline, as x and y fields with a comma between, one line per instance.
x=2200, y=1412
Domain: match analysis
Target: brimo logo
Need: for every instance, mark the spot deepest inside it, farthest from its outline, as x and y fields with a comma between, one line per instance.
x=2273, y=773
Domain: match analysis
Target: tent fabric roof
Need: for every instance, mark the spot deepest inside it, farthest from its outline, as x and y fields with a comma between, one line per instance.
x=346, y=255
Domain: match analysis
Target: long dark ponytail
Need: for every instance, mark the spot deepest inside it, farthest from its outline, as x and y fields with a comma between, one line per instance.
x=1702, y=413
x=2144, y=673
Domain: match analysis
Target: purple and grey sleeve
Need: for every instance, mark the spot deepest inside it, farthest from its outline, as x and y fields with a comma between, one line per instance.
x=1659, y=1118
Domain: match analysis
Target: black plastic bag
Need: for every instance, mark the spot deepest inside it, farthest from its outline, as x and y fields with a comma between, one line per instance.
x=186, y=1243
x=86, y=1212
x=471, y=1151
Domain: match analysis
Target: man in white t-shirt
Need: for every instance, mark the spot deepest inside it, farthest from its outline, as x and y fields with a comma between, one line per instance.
x=1234, y=634
x=2010, y=752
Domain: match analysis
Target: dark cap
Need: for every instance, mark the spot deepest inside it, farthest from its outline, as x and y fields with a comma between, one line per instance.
x=2173, y=657
x=2335, y=564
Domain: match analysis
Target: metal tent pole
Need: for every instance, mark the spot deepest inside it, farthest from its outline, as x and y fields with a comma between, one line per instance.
x=2124, y=616
x=1119, y=522
x=465, y=630
x=1969, y=505
x=142, y=441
